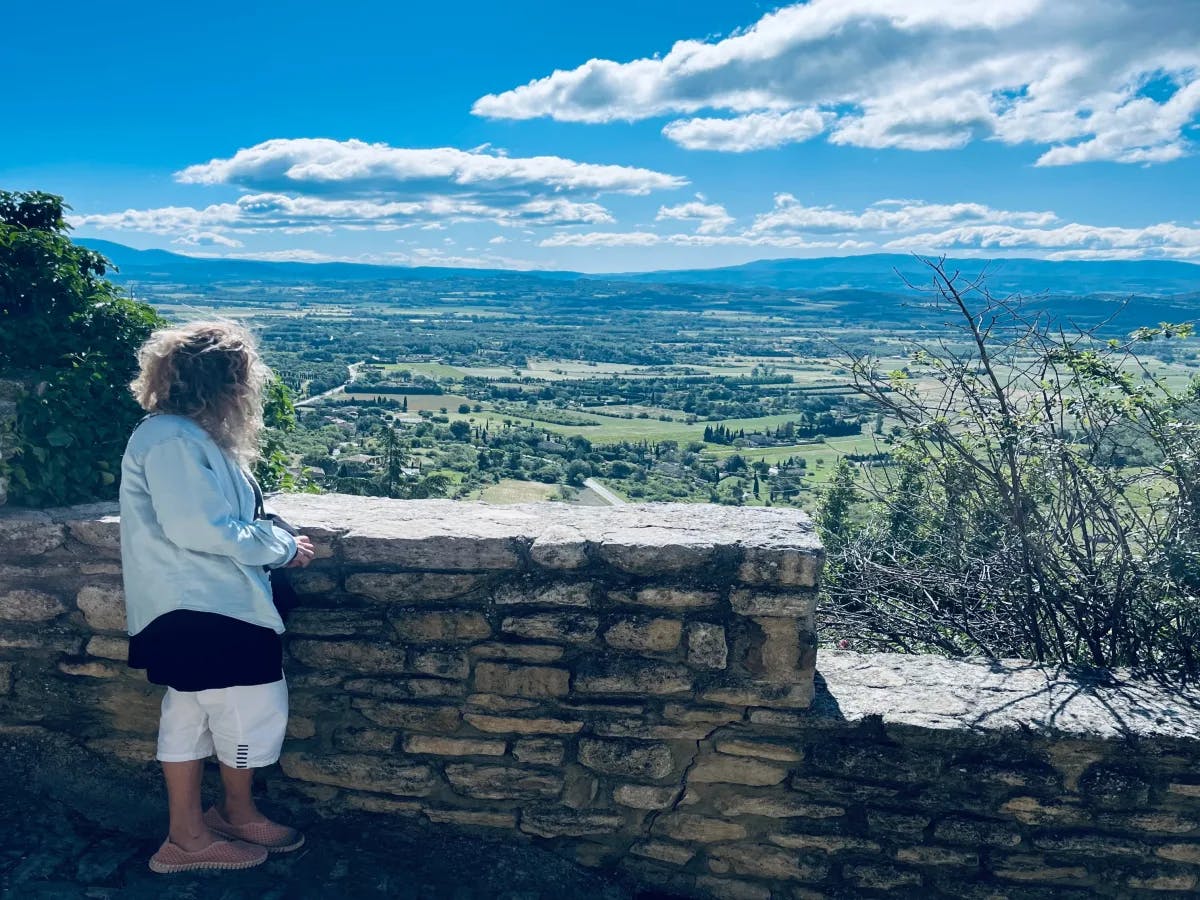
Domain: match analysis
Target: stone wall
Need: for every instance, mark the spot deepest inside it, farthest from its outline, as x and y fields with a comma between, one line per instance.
x=634, y=688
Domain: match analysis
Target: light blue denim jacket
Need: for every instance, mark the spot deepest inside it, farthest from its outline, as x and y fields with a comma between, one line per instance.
x=189, y=539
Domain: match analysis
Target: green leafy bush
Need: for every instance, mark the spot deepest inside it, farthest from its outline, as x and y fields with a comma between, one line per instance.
x=73, y=335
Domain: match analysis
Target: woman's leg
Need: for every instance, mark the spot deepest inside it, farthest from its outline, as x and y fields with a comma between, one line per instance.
x=238, y=807
x=183, y=803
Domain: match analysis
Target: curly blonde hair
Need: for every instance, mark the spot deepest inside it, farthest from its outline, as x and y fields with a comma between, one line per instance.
x=209, y=371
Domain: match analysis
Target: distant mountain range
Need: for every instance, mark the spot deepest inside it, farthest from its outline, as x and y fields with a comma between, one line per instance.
x=870, y=272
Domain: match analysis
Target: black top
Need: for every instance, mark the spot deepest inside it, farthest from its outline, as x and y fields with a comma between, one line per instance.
x=199, y=651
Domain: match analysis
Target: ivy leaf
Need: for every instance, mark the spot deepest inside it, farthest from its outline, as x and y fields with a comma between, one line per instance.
x=59, y=437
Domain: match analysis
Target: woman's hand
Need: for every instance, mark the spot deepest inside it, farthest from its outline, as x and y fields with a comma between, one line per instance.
x=305, y=552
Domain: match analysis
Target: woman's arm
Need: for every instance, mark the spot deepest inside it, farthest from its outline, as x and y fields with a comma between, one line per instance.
x=195, y=514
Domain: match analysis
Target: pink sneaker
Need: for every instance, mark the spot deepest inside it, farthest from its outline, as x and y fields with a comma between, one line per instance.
x=270, y=835
x=217, y=855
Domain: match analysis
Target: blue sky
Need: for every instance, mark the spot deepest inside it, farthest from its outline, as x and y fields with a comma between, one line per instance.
x=615, y=136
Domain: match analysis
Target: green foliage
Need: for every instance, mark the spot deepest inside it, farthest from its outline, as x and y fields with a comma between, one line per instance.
x=74, y=335
x=279, y=416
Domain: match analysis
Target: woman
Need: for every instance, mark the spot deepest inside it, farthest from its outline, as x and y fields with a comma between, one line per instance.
x=195, y=562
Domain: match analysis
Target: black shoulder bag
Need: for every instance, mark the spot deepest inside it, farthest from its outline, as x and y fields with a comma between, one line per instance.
x=282, y=592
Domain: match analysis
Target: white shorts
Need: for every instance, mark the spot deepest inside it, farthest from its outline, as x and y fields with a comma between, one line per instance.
x=244, y=725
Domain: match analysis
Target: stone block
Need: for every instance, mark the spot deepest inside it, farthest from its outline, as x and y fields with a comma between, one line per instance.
x=497, y=703
x=639, y=728
x=448, y=626
x=91, y=669
x=562, y=823
x=312, y=582
x=535, y=653
x=6, y=678
x=1184, y=853
x=521, y=681
x=760, y=749
x=356, y=656
x=977, y=832
x=789, y=567
x=335, y=623
x=789, y=604
x=568, y=627
x=513, y=725
x=938, y=856
x=103, y=607
x=824, y=843
x=764, y=861
x=1034, y=811
x=648, y=635
x=471, y=818
x=519, y=593
x=448, y=746
x=108, y=648
x=787, y=696
x=631, y=758
x=667, y=598
x=101, y=532
x=773, y=806
x=706, y=645
x=29, y=606
x=540, y=751
x=503, y=782
x=664, y=851
x=645, y=796
x=364, y=740
x=28, y=533
x=439, y=719
x=879, y=877
x=300, y=728
x=1175, y=882
x=1035, y=869
x=781, y=650
x=718, y=768
x=403, y=688
x=361, y=773
x=442, y=552
x=632, y=676
x=440, y=663
x=647, y=551
x=383, y=805
x=580, y=788
x=413, y=587
x=559, y=547
x=700, y=829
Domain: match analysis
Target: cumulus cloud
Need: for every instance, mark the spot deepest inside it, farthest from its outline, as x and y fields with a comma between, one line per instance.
x=894, y=225
x=321, y=165
x=1087, y=79
x=755, y=131
x=712, y=216
x=298, y=215
x=307, y=185
x=206, y=239
x=790, y=214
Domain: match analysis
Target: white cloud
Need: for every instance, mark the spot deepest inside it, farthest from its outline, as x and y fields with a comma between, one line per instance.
x=321, y=165
x=1072, y=241
x=910, y=225
x=498, y=239
x=206, y=239
x=1089, y=79
x=790, y=214
x=713, y=217
x=755, y=131
x=303, y=214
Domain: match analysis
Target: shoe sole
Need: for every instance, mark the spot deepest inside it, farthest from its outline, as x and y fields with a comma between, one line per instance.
x=268, y=847
x=171, y=869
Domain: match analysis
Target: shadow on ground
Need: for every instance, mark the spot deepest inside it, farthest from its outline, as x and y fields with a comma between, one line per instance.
x=74, y=825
